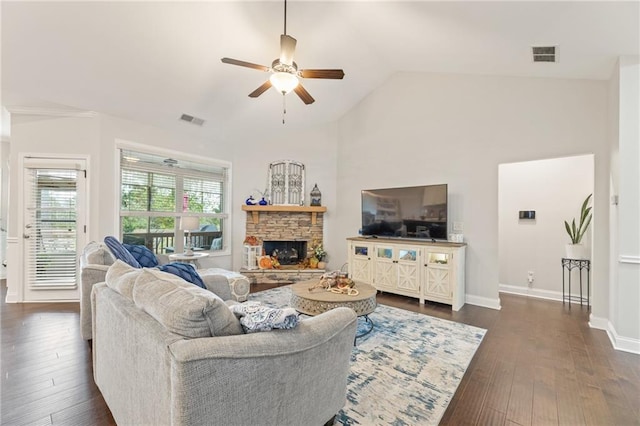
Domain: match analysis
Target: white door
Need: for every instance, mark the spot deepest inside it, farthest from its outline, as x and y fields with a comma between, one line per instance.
x=54, y=227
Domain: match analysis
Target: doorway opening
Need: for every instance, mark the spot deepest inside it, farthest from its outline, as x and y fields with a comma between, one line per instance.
x=531, y=246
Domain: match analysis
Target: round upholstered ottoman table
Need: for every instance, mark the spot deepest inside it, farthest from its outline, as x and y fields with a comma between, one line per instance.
x=319, y=300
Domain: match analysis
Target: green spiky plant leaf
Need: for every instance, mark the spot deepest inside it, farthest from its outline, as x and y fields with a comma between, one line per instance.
x=577, y=232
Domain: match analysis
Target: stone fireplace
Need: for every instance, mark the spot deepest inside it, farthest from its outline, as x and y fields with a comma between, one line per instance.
x=290, y=230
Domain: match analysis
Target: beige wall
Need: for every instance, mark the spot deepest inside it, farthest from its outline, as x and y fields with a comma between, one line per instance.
x=442, y=128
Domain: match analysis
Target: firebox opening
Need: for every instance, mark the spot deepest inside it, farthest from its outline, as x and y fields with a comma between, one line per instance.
x=287, y=252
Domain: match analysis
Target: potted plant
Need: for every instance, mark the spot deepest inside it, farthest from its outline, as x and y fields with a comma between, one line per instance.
x=575, y=250
x=318, y=254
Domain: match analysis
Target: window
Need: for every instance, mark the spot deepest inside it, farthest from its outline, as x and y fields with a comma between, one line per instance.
x=157, y=191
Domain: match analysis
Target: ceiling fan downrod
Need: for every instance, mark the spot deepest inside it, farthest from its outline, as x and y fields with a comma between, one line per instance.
x=285, y=17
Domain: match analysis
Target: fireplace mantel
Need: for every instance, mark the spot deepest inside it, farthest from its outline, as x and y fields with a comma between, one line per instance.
x=255, y=210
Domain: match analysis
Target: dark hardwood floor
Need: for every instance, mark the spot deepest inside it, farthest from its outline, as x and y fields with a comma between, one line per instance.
x=539, y=364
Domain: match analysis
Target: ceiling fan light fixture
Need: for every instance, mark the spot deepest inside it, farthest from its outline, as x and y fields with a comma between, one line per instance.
x=283, y=82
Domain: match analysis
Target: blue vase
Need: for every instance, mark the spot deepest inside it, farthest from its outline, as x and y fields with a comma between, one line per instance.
x=250, y=201
x=263, y=202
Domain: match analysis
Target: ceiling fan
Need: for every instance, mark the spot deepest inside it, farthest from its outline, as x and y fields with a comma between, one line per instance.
x=284, y=71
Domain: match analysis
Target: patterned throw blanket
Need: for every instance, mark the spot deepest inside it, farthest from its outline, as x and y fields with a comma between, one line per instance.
x=254, y=316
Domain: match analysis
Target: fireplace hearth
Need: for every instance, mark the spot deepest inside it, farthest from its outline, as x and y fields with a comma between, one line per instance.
x=288, y=252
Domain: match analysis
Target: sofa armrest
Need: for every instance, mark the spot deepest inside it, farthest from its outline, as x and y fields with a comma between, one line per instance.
x=300, y=374
x=90, y=275
x=217, y=284
x=237, y=285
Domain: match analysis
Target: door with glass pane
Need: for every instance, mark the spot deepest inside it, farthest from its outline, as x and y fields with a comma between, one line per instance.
x=54, y=228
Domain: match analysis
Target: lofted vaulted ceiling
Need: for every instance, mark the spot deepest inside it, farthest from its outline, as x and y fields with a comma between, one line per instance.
x=153, y=61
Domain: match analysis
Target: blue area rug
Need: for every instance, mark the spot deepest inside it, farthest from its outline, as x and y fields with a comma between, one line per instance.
x=406, y=371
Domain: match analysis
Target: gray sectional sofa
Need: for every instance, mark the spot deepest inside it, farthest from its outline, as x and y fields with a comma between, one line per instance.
x=169, y=352
x=96, y=259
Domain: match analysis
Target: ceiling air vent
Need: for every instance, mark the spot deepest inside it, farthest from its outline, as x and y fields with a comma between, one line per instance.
x=191, y=119
x=544, y=53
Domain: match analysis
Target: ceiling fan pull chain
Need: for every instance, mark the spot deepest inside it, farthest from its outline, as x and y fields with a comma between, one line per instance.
x=284, y=106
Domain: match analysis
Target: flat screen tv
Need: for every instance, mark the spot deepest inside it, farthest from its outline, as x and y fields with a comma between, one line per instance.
x=409, y=212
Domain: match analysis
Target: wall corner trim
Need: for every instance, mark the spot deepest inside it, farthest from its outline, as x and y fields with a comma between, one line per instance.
x=619, y=343
x=484, y=302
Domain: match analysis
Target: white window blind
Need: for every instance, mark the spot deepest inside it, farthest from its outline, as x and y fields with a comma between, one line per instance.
x=147, y=191
x=51, y=228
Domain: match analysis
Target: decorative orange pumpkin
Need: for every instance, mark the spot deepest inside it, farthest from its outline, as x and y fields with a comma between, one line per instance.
x=251, y=241
x=265, y=262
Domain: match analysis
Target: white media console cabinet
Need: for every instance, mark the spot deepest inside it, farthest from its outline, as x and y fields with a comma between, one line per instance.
x=426, y=270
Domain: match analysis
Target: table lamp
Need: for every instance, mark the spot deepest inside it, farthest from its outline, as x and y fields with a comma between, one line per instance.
x=188, y=224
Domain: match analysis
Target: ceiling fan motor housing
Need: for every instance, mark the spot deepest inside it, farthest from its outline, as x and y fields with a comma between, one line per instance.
x=278, y=66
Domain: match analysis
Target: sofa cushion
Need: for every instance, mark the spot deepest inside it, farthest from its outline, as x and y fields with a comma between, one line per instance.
x=121, y=277
x=143, y=255
x=183, y=308
x=185, y=271
x=120, y=252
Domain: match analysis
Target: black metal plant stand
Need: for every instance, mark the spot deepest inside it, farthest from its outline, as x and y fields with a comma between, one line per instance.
x=569, y=265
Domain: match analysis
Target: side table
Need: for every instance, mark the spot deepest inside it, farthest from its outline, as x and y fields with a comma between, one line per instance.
x=582, y=265
x=193, y=258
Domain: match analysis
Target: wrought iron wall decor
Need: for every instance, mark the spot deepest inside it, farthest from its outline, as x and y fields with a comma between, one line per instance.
x=286, y=182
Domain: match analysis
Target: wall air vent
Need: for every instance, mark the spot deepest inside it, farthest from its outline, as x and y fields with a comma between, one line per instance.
x=191, y=119
x=170, y=162
x=544, y=53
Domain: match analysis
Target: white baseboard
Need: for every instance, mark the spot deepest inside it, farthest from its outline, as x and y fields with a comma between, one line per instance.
x=598, y=323
x=620, y=343
x=534, y=292
x=530, y=292
x=484, y=302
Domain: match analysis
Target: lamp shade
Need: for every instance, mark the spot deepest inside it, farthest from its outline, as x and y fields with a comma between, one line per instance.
x=189, y=223
x=284, y=82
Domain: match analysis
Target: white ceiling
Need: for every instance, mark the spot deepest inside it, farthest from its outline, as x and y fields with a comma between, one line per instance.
x=153, y=61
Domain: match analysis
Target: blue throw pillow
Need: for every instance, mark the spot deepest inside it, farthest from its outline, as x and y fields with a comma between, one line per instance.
x=120, y=252
x=143, y=255
x=185, y=271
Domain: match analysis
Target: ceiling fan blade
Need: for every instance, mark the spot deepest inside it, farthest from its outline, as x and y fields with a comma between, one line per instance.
x=287, y=49
x=333, y=74
x=245, y=64
x=303, y=94
x=260, y=90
